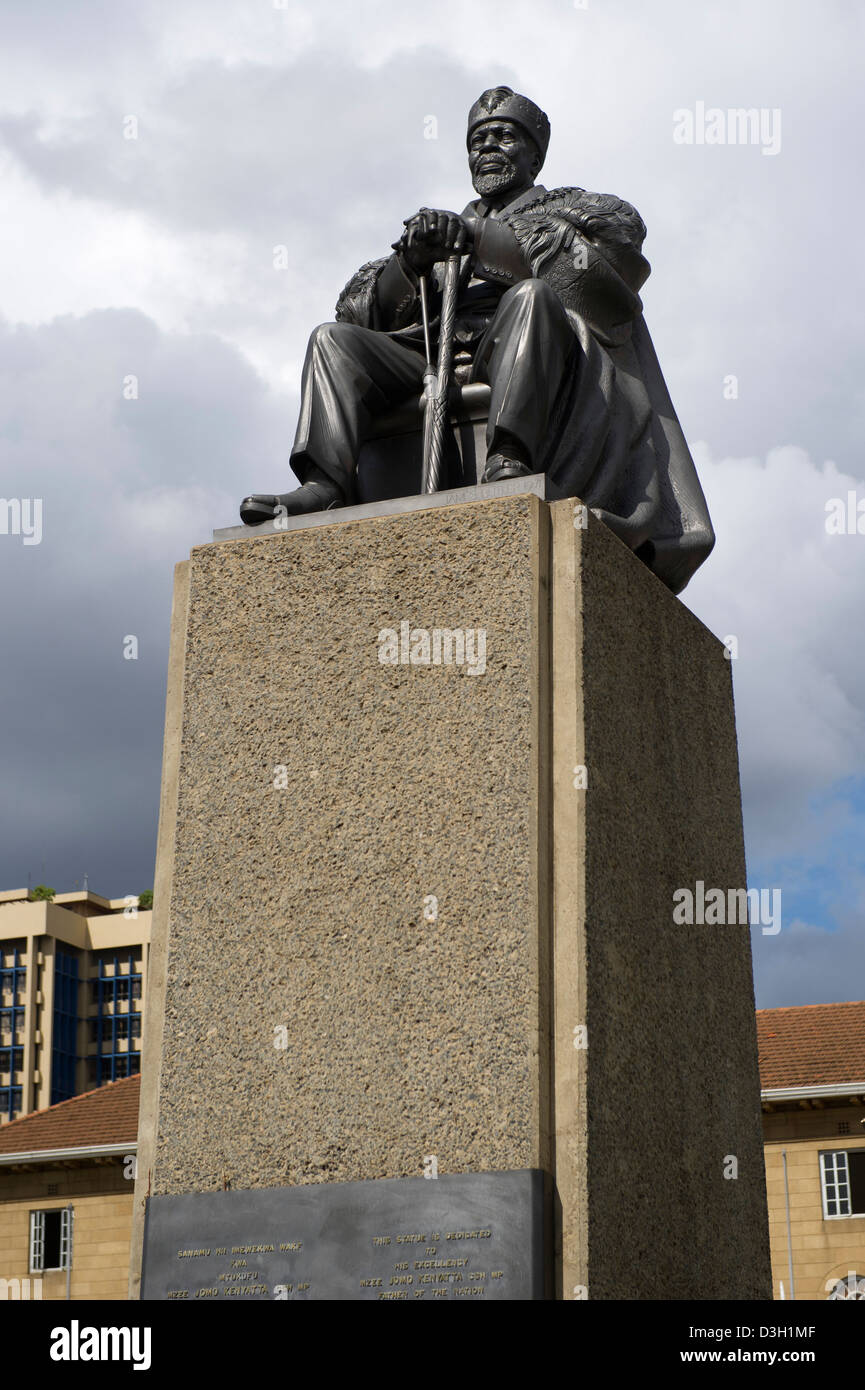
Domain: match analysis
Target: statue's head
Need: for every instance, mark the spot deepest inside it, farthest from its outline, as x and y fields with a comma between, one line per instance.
x=507, y=141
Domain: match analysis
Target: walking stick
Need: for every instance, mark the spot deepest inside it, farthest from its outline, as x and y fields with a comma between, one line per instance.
x=437, y=383
x=430, y=380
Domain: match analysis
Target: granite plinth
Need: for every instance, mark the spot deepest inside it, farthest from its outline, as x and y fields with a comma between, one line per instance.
x=456, y=1238
x=412, y=910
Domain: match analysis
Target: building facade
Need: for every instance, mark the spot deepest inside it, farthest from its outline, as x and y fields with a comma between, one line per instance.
x=73, y=978
x=812, y=1070
x=66, y=1194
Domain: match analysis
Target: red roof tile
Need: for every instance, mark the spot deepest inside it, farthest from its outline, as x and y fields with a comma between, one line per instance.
x=108, y=1115
x=812, y=1045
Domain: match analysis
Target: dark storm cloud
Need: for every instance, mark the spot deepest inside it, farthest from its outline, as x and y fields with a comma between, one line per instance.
x=127, y=487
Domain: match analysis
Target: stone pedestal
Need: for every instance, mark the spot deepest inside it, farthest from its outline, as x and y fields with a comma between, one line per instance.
x=416, y=916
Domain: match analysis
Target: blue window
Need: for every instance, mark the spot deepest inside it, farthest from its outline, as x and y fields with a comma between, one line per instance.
x=11, y=1061
x=13, y=977
x=10, y=1101
x=64, y=1051
x=12, y=1025
x=118, y=1020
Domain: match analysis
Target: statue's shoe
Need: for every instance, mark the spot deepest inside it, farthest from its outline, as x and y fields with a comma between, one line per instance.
x=499, y=467
x=312, y=497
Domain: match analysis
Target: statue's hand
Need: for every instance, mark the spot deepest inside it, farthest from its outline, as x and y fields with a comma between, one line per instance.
x=432, y=235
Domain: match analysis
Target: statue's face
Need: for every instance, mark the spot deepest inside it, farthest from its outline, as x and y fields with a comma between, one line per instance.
x=502, y=156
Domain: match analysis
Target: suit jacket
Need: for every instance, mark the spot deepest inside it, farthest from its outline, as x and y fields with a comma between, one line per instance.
x=615, y=442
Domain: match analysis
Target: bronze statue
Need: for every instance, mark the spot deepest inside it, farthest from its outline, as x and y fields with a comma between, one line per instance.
x=548, y=313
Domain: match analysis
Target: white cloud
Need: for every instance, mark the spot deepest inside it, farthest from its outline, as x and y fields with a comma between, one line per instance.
x=791, y=594
x=806, y=964
x=303, y=126
x=128, y=487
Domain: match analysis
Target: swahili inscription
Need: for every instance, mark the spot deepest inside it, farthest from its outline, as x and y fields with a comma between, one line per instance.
x=351, y=1241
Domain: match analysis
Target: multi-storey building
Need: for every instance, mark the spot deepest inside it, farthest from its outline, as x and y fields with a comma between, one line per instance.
x=812, y=1071
x=73, y=976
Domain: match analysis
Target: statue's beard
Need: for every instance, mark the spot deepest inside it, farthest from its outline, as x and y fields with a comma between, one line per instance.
x=496, y=182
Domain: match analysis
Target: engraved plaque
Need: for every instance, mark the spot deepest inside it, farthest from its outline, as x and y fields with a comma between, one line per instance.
x=466, y=1237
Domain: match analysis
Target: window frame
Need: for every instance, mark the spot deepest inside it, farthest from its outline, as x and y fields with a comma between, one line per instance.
x=832, y=1156
x=36, y=1259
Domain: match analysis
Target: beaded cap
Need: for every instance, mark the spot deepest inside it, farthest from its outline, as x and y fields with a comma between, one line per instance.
x=504, y=104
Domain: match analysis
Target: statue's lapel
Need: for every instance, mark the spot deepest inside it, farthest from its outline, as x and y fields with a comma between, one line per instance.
x=537, y=190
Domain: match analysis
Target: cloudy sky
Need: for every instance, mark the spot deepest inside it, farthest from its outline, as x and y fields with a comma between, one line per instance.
x=154, y=155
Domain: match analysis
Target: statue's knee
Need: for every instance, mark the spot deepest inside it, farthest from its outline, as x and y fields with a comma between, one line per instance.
x=326, y=333
x=533, y=291
x=331, y=342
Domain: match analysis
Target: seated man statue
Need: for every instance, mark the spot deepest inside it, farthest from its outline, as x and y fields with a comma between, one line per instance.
x=548, y=314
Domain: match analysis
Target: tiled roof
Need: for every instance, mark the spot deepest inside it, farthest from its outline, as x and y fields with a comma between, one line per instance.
x=813, y=1045
x=108, y=1115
